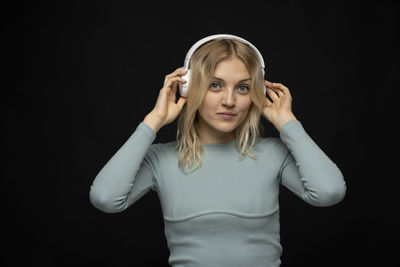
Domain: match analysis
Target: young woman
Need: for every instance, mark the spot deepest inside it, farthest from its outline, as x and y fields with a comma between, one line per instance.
x=218, y=183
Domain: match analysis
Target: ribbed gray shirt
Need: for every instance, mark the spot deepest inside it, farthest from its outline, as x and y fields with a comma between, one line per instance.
x=226, y=213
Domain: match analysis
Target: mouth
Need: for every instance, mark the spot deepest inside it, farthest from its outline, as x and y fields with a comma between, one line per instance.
x=226, y=116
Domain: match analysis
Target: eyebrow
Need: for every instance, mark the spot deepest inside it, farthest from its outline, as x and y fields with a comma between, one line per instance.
x=222, y=80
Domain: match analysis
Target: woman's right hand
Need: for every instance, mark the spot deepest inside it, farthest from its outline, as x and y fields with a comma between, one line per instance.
x=166, y=110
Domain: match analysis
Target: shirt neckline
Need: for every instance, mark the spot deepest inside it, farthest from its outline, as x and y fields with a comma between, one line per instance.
x=219, y=146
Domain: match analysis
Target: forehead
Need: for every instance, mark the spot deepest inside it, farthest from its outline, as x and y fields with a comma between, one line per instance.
x=231, y=69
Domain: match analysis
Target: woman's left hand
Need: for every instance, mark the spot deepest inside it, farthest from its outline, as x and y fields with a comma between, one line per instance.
x=279, y=111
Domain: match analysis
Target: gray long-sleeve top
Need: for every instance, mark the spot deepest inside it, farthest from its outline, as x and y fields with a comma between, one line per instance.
x=226, y=213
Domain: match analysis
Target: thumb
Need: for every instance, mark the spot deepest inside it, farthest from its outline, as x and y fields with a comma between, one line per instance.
x=181, y=102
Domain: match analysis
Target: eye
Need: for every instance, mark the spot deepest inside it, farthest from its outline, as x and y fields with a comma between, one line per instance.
x=215, y=85
x=243, y=88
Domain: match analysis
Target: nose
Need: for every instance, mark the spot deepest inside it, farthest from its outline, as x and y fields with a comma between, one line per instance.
x=228, y=98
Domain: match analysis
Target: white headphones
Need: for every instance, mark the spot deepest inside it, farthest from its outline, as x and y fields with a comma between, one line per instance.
x=183, y=87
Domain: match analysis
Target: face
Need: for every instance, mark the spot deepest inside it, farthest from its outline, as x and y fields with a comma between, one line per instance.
x=227, y=93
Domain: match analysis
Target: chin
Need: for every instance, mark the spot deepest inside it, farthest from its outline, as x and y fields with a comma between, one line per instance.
x=225, y=127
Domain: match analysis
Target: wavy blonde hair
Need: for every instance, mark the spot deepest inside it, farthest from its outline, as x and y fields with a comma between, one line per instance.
x=202, y=67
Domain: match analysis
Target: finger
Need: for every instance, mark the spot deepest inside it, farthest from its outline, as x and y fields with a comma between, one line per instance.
x=281, y=87
x=274, y=88
x=171, y=76
x=181, y=102
x=177, y=72
x=272, y=94
x=267, y=102
x=173, y=80
x=174, y=87
x=278, y=91
x=172, y=84
x=268, y=84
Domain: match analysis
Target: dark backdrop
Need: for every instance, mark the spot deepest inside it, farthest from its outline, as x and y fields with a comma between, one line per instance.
x=79, y=77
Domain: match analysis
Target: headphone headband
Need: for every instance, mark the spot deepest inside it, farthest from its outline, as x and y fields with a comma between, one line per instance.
x=220, y=36
x=183, y=88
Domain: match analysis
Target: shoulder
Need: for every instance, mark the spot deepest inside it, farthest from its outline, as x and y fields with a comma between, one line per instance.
x=160, y=154
x=158, y=150
x=270, y=143
x=274, y=147
x=164, y=147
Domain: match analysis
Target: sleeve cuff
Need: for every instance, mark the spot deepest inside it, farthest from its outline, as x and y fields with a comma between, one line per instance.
x=147, y=130
x=289, y=126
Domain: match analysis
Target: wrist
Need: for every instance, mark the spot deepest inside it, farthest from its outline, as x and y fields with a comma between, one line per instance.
x=153, y=122
x=283, y=121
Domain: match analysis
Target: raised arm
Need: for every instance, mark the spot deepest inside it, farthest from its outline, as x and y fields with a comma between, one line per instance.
x=129, y=174
x=303, y=167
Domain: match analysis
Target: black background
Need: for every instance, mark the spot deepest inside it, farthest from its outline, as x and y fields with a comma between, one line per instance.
x=79, y=77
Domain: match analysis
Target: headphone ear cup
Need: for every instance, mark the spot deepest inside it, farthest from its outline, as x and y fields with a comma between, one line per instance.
x=263, y=75
x=183, y=87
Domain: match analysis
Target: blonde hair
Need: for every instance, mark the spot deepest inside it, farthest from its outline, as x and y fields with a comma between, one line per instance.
x=202, y=66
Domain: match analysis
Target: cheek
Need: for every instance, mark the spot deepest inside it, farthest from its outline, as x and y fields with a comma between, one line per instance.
x=209, y=104
x=245, y=105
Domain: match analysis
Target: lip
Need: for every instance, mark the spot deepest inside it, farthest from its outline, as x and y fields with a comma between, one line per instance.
x=226, y=116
